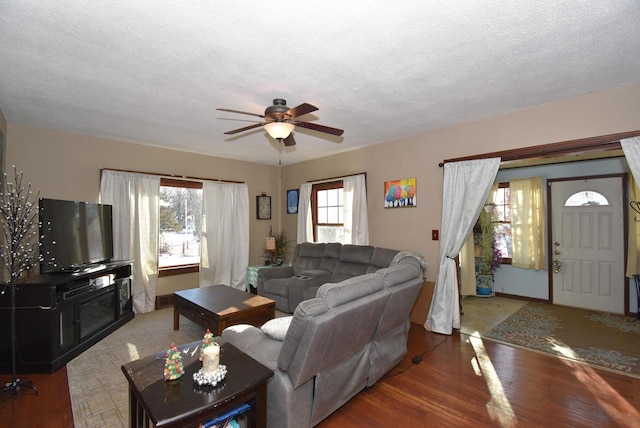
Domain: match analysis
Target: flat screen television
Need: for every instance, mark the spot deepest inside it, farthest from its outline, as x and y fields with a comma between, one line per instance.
x=74, y=236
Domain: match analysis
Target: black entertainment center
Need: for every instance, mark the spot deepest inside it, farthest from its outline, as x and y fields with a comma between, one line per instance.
x=80, y=295
x=59, y=315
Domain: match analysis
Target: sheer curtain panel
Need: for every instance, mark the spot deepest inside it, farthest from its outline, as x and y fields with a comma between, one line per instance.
x=305, y=223
x=135, y=200
x=527, y=223
x=224, y=244
x=356, y=220
x=631, y=149
x=465, y=189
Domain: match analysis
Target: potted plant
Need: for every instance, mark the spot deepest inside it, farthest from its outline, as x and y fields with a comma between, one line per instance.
x=281, y=247
x=490, y=255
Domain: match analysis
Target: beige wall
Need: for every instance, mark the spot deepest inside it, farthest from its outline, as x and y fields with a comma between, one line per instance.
x=3, y=124
x=67, y=166
x=418, y=156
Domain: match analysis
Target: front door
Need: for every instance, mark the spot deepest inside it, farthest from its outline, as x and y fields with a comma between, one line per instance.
x=587, y=243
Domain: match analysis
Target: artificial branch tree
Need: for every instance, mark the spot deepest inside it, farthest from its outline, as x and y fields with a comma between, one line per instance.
x=19, y=251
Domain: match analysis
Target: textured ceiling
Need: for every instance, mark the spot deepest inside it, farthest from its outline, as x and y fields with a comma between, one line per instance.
x=153, y=72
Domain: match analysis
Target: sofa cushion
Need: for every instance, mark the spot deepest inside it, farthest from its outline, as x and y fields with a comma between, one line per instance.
x=335, y=294
x=307, y=256
x=354, y=260
x=381, y=258
x=331, y=255
x=398, y=274
x=277, y=327
x=315, y=273
x=300, y=332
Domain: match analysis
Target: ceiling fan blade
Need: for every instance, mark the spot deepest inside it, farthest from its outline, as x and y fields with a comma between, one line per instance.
x=238, y=111
x=246, y=128
x=289, y=141
x=320, y=128
x=303, y=108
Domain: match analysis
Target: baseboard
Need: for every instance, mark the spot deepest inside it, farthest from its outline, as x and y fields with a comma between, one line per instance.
x=164, y=301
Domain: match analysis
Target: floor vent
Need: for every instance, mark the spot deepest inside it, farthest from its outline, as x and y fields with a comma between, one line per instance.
x=165, y=301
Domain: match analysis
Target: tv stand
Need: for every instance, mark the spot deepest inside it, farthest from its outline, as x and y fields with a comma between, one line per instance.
x=89, y=269
x=60, y=315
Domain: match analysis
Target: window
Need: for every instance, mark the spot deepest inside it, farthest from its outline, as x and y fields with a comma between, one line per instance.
x=586, y=198
x=327, y=212
x=180, y=226
x=501, y=217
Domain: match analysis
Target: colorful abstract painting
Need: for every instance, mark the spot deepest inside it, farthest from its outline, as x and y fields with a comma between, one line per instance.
x=400, y=193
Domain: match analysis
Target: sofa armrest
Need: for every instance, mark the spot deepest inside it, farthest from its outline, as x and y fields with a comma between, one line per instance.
x=255, y=343
x=273, y=273
x=305, y=285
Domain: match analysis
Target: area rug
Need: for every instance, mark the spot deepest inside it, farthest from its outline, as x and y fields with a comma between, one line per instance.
x=603, y=340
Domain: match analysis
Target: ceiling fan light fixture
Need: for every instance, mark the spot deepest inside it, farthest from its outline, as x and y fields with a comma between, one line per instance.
x=279, y=130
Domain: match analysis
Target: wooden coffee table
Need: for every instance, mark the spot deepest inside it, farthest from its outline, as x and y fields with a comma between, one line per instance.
x=220, y=306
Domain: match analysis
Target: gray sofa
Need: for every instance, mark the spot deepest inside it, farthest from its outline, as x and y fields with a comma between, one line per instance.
x=339, y=342
x=315, y=264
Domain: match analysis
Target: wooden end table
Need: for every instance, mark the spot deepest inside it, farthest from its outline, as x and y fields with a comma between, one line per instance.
x=220, y=306
x=181, y=403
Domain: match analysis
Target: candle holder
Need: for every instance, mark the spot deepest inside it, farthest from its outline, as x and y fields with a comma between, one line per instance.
x=212, y=378
x=212, y=371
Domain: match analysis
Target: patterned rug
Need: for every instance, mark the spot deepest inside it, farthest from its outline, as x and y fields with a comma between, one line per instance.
x=600, y=339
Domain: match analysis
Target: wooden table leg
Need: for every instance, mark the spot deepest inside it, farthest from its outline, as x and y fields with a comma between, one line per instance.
x=176, y=317
x=261, y=405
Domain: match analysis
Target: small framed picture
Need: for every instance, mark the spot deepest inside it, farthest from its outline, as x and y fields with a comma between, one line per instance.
x=263, y=207
x=292, y=201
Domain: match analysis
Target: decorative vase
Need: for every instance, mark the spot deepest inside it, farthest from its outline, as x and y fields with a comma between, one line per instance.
x=483, y=285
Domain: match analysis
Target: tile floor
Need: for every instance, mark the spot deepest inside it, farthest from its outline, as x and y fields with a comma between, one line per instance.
x=481, y=314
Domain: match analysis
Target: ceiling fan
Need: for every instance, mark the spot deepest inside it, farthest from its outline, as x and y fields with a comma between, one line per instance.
x=280, y=120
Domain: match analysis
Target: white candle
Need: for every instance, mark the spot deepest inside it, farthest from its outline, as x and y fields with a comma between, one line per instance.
x=211, y=359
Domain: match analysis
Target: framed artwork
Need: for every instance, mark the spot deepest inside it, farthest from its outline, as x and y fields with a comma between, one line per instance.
x=263, y=207
x=400, y=193
x=292, y=201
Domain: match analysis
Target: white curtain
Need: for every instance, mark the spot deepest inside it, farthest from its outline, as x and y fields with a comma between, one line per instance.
x=135, y=200
x=305, y=223
x=631, y=149
x=527, y=223
x=224, y=244
x=356, y=220
x=466, y=187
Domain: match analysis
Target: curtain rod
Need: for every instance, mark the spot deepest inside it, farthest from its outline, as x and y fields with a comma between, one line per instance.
x=184, y=177
x=611, y=141
x=327, y=180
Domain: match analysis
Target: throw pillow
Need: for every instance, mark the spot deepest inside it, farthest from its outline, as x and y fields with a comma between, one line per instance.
x=277, y=327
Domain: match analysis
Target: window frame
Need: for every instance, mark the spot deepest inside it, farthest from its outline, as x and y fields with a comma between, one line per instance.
x=187, y=267
x=315, y=188
x=505, y=185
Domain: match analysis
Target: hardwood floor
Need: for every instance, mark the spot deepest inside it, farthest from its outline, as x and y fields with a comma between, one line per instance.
x=460, y=381
x=51, y=408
